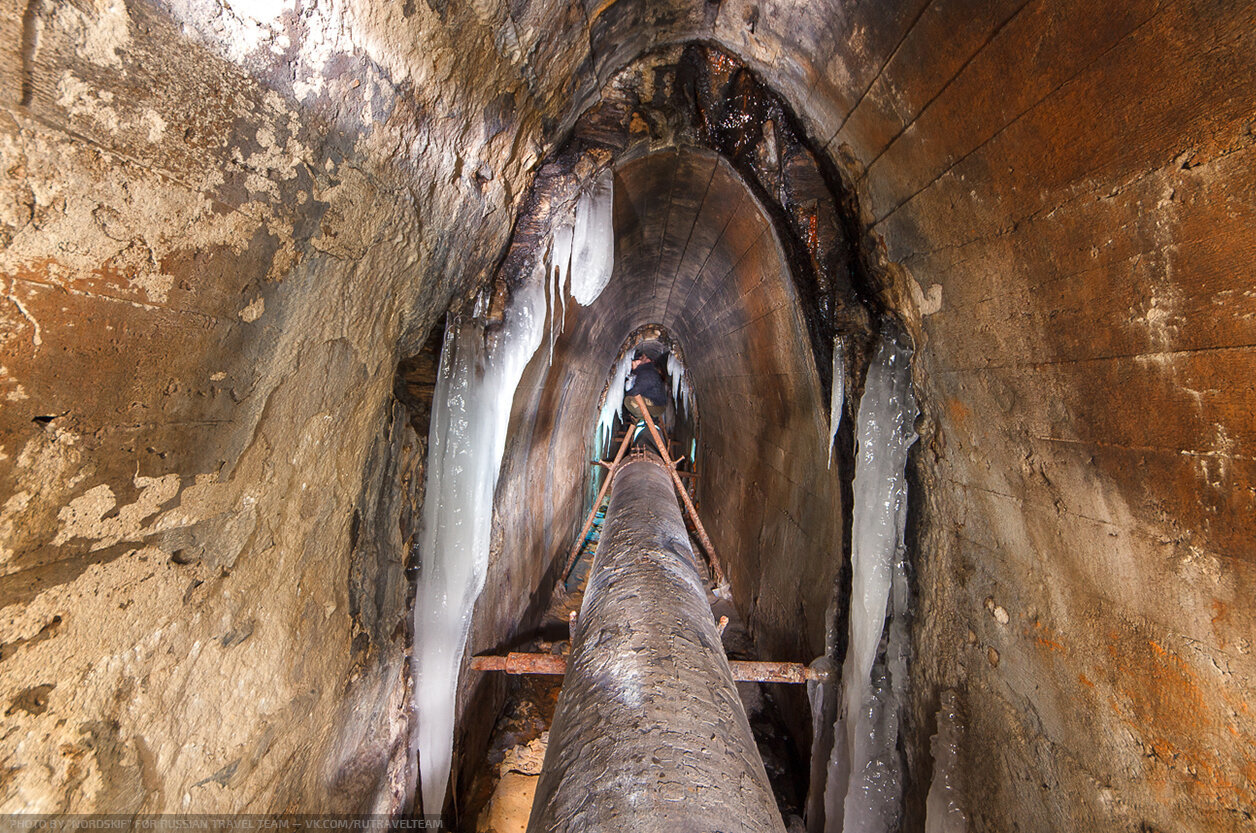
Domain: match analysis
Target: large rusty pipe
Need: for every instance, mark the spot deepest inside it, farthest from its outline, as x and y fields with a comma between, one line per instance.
x=649, y=734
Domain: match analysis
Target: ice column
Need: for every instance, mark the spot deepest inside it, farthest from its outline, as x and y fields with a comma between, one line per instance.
x=822, y=695
x=943, y=813
x=479, y=372
x=681, y=392
x=837, y=397
x=558, y=272
x=864, y=791
x=593, y=241
x=613, y=405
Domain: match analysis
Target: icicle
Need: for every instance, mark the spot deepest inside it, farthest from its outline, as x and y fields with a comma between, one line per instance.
x=676, y=372
x=562, y=282
x=943, y=813
x=614, y=403
x=558, y=264
x=865, y=781
x=562, y=254
x=822, y=695
x=681, y=392
x=837, y=397
x=470, y=414
x=551, y=279
x=593, y=241
x=558, y=261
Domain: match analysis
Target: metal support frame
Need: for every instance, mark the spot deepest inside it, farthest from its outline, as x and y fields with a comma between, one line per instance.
x=649, y=734
x=703, y=538
x=588, y=523
x=744, y=671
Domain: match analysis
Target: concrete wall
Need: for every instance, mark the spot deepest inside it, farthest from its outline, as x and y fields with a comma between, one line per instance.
x=218, y=230
x=1071, y=199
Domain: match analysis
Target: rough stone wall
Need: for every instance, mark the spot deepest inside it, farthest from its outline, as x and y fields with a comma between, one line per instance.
x=1072, y=202
x=215, y=230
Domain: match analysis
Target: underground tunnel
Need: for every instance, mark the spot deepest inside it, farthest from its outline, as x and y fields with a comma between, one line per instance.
x=318, y=317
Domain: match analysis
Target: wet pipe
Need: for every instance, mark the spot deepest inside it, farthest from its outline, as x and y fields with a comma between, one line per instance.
x=649, y=735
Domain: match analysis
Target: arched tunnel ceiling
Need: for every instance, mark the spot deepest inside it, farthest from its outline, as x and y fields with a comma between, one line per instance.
x=690, y=244
x=696, y=254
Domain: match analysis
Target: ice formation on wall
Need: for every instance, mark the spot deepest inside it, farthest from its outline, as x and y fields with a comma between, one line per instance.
x=558, y=269
x=581, y=253
x=837, y=397
x=614, y=403
x=593, y=241
x=863, y=794
x=470, y=414
x=682, y=394
x=943, y=811
x=822, y=695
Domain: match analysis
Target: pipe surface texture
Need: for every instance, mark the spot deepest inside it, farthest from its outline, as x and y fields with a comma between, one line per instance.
x=649, y=734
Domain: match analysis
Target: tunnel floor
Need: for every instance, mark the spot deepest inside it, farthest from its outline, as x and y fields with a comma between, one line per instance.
x=500, y=795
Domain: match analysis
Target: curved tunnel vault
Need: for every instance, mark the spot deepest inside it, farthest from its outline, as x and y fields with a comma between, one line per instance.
x=696, y=254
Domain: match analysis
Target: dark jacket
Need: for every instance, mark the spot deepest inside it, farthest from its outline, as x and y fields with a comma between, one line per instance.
x=647, y=381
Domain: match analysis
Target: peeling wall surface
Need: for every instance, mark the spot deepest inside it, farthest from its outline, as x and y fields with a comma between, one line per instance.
x=223, y=225
x=218, y=231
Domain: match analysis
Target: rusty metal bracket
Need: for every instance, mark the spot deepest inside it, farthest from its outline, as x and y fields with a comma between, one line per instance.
x=516, y=663
x=744, y=671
